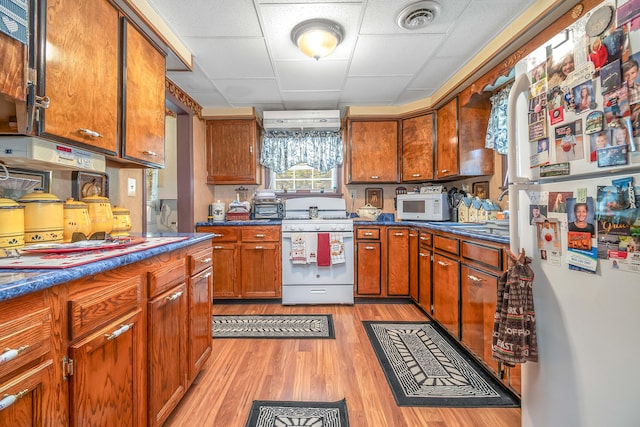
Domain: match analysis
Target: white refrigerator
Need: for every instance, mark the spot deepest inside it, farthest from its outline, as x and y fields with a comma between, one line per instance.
x=587, y=277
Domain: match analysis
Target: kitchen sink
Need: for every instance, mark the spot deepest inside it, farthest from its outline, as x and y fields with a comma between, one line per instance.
x=498, y=228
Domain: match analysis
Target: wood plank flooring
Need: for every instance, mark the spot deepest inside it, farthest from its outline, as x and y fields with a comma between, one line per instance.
x=243, y=370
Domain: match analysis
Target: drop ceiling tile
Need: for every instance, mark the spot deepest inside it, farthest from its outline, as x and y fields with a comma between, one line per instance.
x=223, y=58
x=247, y=90
x=392, y=55
x=381, y=89
x=413, y=95
x=278, y=21
x=206, y=18
x=438, y=71
x=194, y=80
x=311, y=75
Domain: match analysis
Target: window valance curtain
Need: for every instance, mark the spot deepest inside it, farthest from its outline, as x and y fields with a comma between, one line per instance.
x=496, y=138
x=319, y=149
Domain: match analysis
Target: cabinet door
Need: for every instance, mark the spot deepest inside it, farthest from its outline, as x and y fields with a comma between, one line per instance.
x=107, y=386
x=417, y=148
x=478, y=297
x=475, y=159
x=446, y=293
x=261, y=270
x=200, y=294
x=424, y=261
x=167, y=328
x=368, y=268
x=27, y=390
x=225, y=270
x=13, y=82
x=398, y=261
x=82, y=70
x=373, y=152
x=144, y=96
x=231, y=151
x=447, y=143
x=413, y=264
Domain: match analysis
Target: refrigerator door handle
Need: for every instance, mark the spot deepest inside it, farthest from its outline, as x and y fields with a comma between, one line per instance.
x=520, y=86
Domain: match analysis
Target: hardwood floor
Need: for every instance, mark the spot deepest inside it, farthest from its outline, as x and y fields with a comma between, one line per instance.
x=243, y=370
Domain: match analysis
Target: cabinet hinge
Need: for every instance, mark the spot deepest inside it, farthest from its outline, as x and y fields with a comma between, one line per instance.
x=432, y=308
x=67, y=367
x=32, y=76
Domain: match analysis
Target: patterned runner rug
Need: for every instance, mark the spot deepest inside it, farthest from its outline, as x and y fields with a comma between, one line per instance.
x=425, y=367
x=266, y=413
x=274, y=326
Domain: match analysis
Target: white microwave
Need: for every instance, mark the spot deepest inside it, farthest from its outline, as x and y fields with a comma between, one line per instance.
x=423, y=207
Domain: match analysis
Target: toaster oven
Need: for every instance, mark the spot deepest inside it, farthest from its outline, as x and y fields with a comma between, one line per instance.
x=268, y=210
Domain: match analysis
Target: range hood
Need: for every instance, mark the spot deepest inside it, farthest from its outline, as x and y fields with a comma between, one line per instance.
x=301, y=119
x=48, y=155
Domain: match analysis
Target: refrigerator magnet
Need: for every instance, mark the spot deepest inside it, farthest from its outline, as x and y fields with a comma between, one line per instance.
x=594, y=122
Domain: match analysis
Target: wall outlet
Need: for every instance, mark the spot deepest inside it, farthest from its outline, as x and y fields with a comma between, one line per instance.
x=131, y=187
x=353, y=194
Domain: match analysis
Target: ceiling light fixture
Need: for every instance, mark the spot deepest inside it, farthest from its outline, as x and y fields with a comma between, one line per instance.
x=317, y=38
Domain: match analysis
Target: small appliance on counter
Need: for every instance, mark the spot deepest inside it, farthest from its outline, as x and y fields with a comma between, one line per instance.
x=267, y=206
x=423, y=207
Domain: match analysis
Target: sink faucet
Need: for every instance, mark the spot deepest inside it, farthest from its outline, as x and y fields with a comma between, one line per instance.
x=504, y=193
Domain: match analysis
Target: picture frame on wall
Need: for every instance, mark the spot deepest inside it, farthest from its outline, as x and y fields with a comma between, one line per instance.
x=480, y=189
x=84, y=184
x=374, y=197
x=22, y=181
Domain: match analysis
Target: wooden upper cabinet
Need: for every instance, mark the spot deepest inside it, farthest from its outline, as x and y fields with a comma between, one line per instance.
x=232, y=150
x=373, y=151
x=81, y=77
x=447, y=144
x=417, y=148
x=473, y=119
x=143, y=99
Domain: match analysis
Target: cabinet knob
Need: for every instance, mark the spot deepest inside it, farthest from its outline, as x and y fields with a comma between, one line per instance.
x=259, y=236
x=11, y=354
x=375, y=177
x=444, y=264
x=474, y=278
x=205, y=261
x=89, y=132
x=150, y=153
x=421, y=254
x=217, y=235
x=175, y=296
x=121, y=330
x=398, y=234
x=369, y=248
x=368, y=234
x=259, y=247
x=10, y=399
x=416, y=175
x=444, y=171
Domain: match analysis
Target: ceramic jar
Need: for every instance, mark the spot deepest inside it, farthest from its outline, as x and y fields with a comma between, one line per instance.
x=121, y=222
x=100, y=213
x=369, y=212
x=11, y=224
x=43, y=217
x=76, y=220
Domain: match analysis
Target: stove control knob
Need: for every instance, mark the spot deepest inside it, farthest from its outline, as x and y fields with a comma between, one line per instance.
x=317, y=226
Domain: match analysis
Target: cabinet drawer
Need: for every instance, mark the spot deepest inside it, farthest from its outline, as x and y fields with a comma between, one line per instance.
x=199, y=260
x=220, y=234
x=89, y=311
x=260, y=234
x=166, y=277
x=426, y=239
x=447, y=244
x=368, y=233
x=25, y=337
x=481, y=254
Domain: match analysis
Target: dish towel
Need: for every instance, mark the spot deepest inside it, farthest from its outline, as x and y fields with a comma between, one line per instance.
x=337, y=248
x=298, y=253
x=312, y=247
x=324, y=250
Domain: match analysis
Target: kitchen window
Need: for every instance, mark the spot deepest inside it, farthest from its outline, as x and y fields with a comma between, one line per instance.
x=303, y=178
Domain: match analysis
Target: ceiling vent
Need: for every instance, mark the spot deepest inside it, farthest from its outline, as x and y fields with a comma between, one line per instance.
x=418, y=15
x=301, y=119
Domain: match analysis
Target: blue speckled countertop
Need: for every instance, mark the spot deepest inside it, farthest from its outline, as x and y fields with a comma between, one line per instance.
x=384, y=219
x=15, y=283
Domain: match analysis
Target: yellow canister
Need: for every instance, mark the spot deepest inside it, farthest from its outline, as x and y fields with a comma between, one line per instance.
x=121, y=222
x=100, y=213
x=43, y=217
x=76, y=220
x=11, y=224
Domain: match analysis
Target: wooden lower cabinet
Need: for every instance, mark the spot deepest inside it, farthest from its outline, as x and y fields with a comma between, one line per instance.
x=368, y=259
x=30, y=389
x=425, y=255
x=106, y=384
x=398, y=261
x=246, y=261
x=446, y=276
x=118, y=348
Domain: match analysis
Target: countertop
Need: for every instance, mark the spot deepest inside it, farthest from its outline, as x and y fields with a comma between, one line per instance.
x=383, y=219
x=15, y=283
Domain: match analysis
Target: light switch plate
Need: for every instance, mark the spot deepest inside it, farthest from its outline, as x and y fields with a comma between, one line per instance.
x=131, y=187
